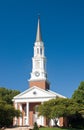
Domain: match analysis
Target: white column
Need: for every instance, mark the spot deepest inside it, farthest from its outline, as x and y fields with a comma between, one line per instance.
x=27, y=110
x=15, y=118
x=15, y=105
x=21, y=116
x=42, y=117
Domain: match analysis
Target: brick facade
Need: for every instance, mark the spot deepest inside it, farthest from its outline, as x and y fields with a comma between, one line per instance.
x=32, y=112
x=43, y=84
x=63, y=121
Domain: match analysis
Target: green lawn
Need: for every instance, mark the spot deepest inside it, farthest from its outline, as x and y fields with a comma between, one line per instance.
x=59, y=129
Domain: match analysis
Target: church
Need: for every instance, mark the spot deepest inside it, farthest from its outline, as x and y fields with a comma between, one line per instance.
x=39, y=89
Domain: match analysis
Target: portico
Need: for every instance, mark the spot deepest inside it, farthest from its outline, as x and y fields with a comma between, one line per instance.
x=28, y=112
x=27, y=102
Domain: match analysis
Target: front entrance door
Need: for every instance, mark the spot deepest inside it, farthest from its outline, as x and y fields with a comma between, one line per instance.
x=25, y=122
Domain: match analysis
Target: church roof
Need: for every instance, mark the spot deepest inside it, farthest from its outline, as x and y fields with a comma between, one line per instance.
x=35, y=94
x=38, y=36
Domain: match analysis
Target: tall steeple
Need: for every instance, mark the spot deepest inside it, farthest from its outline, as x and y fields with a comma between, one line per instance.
x=38, y=36
x=39, y=74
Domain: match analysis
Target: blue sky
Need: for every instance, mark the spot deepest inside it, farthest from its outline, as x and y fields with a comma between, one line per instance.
x=62, y=26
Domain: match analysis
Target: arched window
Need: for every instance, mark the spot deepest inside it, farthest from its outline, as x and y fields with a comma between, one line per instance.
x=37, y=50
x=41, y=51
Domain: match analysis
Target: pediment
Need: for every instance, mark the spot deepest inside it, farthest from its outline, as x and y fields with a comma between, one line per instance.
x=35, y=92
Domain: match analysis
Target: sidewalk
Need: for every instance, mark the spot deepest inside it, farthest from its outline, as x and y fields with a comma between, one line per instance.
x=20, y=128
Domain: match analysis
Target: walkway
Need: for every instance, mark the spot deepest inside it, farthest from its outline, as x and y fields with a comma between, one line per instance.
x=20, y=128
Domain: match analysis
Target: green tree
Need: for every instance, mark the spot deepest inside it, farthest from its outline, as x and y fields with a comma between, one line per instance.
x=45, y=110
x=78, y=94
x=7, y=94
x=7, y=113
x=60, y=107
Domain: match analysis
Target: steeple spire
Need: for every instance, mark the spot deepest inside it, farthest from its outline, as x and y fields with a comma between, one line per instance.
x=39, y=75
x=38, y=36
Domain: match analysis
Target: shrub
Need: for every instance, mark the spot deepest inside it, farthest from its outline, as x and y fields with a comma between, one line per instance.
x=35, y=126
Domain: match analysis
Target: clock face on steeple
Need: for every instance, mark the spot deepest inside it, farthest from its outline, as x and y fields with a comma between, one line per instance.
x=37, y=74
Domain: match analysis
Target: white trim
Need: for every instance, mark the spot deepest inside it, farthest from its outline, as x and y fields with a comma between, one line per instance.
x=49, y=92
x=59, y=95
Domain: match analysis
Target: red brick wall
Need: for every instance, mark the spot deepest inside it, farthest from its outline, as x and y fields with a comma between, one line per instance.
x=31, y=112
x=41, y=84
x=63, y=121
x=31, y=118
x=45, y=122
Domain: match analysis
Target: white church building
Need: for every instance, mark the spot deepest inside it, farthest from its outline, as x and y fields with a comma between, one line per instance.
x=39, y=89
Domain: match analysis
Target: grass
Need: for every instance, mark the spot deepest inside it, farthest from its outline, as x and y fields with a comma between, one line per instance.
x=59, y=129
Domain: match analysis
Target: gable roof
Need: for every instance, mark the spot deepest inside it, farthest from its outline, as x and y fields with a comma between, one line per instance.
x=36, y=93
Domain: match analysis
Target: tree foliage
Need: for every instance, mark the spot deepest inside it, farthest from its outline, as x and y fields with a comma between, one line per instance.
x=60, y=107
x=7, y=94
x=78, y=94
x=45, y=110
x=72, y=108
x=35, y=126
x=7, y=111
